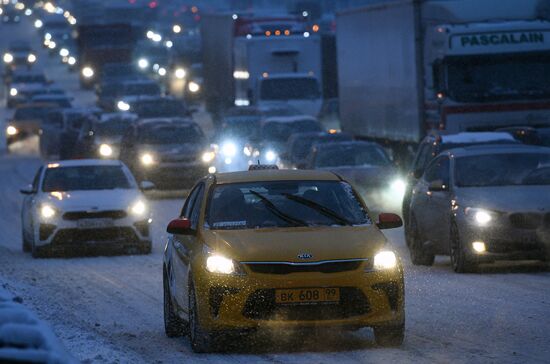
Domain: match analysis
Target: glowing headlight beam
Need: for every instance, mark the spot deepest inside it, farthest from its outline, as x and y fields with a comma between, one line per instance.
x=105, y=150
x=219, y=264
x=139, y=208
x=47, y=211
x=385, y=260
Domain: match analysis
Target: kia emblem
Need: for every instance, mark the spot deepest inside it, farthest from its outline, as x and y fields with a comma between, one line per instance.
x=305, y=256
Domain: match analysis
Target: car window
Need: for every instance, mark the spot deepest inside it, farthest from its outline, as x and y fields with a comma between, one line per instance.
x=36, y=179
x=438, y=170
x=424, y=157
x=85, y=178
x=196, y=207
x=188, y=205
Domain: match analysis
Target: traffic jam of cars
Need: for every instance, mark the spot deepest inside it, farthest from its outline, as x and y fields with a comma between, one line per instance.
x=279, y=177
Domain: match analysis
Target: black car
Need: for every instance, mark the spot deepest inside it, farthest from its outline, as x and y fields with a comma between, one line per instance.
x=168, y=152
x=434, y=144
x=116, y=72
x=299, y=146
x=147, y=107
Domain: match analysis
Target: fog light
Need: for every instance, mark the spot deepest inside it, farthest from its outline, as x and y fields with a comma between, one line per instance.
x=105, y=150
x=11, y=130
x=479, y=247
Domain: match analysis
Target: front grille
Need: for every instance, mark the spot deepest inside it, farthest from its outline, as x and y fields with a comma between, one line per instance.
x=287, y=268
x=45, y=231
x=261, y=305
x=113, y=234
x=77, y=215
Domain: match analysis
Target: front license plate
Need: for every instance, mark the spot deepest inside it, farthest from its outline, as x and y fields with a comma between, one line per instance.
x=94, y=223
x=307, y=295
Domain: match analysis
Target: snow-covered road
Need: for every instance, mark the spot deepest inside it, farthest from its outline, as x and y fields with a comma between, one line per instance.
x=109, y=309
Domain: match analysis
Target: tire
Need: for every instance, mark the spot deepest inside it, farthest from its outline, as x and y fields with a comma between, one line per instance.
x=41, y=252
x=419, y=256
x=389, y=335
x=174, y=326
x=27, y=244
x=147, y=248
x=201, y=340
x=459, y=257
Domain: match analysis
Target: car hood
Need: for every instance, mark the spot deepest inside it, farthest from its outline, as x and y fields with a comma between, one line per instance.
x=98, y=200
x=506, y=198
x=285, y=244
x=371, y=176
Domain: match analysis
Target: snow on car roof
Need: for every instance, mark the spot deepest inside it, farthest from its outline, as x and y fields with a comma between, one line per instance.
x=496, y=149
x=289, y=119
x=476, y=137
x=117, y=115
x=83, y=163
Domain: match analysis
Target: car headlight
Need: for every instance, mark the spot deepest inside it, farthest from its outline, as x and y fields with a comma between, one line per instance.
x=481, y=217
x=180, y=73
x=398, y=186
x=8, y=58
x=229, y=149
x=31, y=58
x=162, y=71
x=143, y=63
x=220, y=264
x=11, y=130
x=38, y=23
x=123, y=106
x=139, y=208
x=52, y=44
x=71, y=60
x=193, y=87
x=88, y=72
x=247, y=150
x=47, y=211
x=147, y=159
x=105, y=150
x=64, y=52
x=385, y=260
x=271, y=156
x=13, y=91
x=208, y=156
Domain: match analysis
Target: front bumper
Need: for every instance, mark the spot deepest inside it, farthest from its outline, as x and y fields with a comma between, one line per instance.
x=506, y=242
x=105, y=229
x=247, y=302
x=173, y=175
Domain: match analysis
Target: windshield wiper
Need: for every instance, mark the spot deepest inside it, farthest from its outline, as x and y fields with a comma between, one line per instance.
x=319, y=208
x=271, y=206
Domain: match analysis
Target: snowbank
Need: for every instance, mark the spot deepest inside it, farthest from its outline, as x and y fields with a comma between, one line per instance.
x=24, y=337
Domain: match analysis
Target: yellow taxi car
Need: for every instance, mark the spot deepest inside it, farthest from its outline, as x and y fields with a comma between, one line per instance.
x=279, y=249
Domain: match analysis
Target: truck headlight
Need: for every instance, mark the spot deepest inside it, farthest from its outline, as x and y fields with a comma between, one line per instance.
x=11, y=130
x=139, y=208
x=88, y=72
x=105, y=150
x=220, y=264
x=385, y=260
x=8, y=58
x=481, y=217
x=13, y=91
x=123, y=106
x=147, y=159
x=31, y=58
x=47, y=211
x=208, y=156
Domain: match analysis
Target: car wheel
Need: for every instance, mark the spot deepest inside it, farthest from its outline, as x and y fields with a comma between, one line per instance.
x=40, y=251
x=389, y=335
x=174, y=326
x=459, y=257
x=201, y=341
x=27, y=244
x=419, y=255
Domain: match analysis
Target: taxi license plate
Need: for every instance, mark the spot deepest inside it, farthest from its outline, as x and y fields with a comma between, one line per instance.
x=94, y=223
x=307, y=295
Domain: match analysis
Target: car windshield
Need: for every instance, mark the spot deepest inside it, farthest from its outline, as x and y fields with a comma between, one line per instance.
x=112, y=127
x=544, y=135
x=302, y=144
x=284, y=204
x=170, y=134
x=158, y=108
x=85, y=178
x=289, y=88
x=246, y=127
x=351, y=156
x=30, y=113
x=28, y=79
x=151, y=89
x=503, y=169
x=281, y=131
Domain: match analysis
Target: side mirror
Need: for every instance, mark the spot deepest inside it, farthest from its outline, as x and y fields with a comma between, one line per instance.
x=180, y=227
x=417, y=173
x=146, y=185
x=437, y=186
x=27, y=190
x=388, y=221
